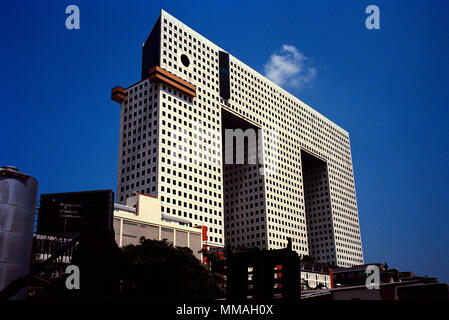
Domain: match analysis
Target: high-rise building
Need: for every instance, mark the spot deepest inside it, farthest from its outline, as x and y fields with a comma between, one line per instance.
x=177, y=130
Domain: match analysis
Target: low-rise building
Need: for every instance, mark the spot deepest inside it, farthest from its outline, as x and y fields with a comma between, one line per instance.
x=315, y=276
x=420, y=289
x=142, y=217
x=254, y=274
x=357, y=275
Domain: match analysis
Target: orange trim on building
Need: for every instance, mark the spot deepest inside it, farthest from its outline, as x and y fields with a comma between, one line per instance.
x=118, y=94
x=159, y=75
x=168, y=74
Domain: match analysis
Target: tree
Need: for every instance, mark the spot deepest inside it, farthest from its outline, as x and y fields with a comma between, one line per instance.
x=216, y=265
x=158, y=270
x=214, y=262
x=150, y=270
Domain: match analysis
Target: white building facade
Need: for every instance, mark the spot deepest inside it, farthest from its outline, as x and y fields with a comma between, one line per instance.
x=172, y=146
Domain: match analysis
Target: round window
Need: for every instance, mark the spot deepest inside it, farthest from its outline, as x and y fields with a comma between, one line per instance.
x=185, y=60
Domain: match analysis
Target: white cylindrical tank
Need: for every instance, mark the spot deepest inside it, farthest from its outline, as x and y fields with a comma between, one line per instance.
x=18, y=194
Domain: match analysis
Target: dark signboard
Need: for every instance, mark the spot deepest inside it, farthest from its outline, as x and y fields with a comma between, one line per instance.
x=225, y=83
x=72, y=213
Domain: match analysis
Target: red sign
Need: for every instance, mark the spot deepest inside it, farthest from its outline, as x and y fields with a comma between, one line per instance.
x=204, y=228
x=331, y=277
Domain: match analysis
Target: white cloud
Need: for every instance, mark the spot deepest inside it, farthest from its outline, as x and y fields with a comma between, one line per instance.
x=289, y=67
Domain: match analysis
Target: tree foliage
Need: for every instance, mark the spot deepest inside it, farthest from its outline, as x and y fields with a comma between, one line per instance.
x=157, y=269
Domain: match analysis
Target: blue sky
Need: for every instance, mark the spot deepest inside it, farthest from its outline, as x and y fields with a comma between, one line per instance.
x=388, y=88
